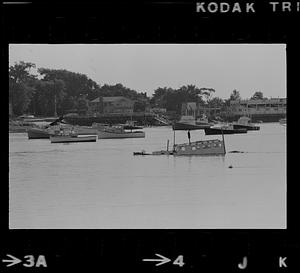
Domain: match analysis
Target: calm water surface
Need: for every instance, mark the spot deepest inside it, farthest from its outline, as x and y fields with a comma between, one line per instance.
x=102, y=185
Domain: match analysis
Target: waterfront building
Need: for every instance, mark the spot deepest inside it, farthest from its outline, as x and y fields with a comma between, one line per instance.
x=272, y=106
x=111, y=105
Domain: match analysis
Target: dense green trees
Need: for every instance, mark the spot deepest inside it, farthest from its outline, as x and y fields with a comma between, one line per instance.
x=257, y=96
x=235, y=95
x=77, y=89
x=48, y=97
x=57, y=91
x=21, y=86
x=172, y=99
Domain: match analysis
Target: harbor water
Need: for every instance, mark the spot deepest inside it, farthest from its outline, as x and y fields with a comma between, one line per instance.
x=103, y=185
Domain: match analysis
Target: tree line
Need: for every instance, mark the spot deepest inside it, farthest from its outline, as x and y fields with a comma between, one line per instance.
x=59, y=91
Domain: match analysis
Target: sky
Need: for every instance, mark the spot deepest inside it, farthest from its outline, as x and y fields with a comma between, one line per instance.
x=145, y=67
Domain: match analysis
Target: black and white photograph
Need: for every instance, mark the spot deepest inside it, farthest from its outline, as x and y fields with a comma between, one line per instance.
x=147, y=136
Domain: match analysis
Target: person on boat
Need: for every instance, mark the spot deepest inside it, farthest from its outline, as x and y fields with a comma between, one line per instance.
x=189, y=136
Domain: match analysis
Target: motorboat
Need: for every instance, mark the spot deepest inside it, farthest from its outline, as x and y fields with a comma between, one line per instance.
x=244, y=123
x=202, y=147
x=72, y=138
x=55, y=127
x=189, y=123
x=40, y=133
x=225, y=129
x=131, y=125
x=118, y=132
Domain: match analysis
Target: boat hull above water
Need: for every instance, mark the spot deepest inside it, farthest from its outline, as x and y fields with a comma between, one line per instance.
x=117, y=135
x=70, y=139
x=184, y=126
x=35, y=133
x=219, y=131
x=45, y=133
x=247, y=127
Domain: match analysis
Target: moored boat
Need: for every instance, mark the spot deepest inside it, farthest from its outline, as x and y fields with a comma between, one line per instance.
x=224, y=129
x=244, y=123
x=118, y=132
x=201, y=147
x=41, y=133
x=189, y=123
x=72, y=138
x=131, y=125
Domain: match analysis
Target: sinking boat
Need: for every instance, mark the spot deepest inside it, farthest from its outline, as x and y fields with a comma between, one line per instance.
x=118, y=132
x=201, y=147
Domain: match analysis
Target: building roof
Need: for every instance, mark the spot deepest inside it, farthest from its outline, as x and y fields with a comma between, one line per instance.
x=260, y=101
x=111, y=99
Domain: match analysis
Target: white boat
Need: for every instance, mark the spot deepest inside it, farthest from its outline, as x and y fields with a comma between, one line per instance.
x=38, y=133
x=119, y=132
x=72, y=138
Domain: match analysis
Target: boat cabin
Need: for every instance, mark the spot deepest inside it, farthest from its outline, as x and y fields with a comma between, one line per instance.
x=208, y=147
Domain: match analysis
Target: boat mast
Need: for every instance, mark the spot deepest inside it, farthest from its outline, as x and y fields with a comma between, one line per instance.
x=55, y=113
x=223, y=142
x=173, y=140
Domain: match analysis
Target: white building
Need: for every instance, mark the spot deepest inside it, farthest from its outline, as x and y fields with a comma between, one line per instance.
x=258, y=107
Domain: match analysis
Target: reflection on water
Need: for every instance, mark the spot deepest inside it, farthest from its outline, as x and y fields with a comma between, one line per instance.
x=102, y=185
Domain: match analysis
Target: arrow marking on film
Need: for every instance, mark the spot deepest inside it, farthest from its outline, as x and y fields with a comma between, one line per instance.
x=12, y=261
x=163, y=260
